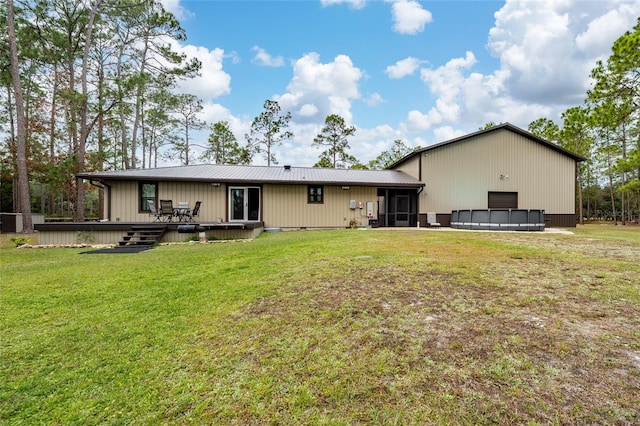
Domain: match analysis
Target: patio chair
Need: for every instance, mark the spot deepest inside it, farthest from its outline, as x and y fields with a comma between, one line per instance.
x=153, y=211
x=166, y=210
x=192, y=213
x=432, y=222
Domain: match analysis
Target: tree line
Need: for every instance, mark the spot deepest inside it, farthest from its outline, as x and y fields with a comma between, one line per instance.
x=89, y=85
x=605, y=130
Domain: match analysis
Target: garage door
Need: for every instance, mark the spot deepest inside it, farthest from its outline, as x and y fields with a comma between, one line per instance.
x=503, y=200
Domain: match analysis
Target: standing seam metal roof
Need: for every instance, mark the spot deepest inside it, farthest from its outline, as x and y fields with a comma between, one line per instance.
x=262, y=174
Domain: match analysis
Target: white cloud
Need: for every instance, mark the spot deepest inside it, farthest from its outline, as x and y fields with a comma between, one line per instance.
x=355, y=4
x=409, y=17
x=446, y=133
x=403, y=68
x=308, y=110
x=604, y=30
x=176, y=8
x=329, y=87
x=235, y=58
x=445, y=83
x=213, y=81
x=298, y=150
x=373, y=100
x=418, y=122
x=550, y=47
x=367, y=144
x=546, y=50
x=263, y=58
x=214, y=112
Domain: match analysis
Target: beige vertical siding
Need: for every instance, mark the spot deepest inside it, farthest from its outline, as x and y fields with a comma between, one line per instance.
x=218, y=234
x=285, y=206
x=460, y=175
x=124, y=200
x=113, y=237
x=411, y=166
x=79, y=237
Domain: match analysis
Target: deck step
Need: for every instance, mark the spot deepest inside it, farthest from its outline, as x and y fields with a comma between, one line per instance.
x=143, y=235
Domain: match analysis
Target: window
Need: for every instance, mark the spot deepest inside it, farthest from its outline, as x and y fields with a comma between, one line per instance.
x=148, y=191
x=503, y=200
x=315, y=194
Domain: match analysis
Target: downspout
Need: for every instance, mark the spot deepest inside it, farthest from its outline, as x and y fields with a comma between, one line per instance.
x=421, y=188
x=418, y=192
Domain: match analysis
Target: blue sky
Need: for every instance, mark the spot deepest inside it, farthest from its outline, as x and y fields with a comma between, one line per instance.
x=423, y=72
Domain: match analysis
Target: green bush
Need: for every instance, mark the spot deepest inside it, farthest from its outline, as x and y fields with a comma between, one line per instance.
x=19, y=241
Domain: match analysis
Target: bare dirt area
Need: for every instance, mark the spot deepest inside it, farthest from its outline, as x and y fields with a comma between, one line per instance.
x=532, y=330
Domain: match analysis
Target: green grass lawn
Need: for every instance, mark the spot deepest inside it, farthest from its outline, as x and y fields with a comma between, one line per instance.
x=327, y=327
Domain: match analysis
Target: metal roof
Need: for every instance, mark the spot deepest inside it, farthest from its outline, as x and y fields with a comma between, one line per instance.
x=507, y=126
x=262, y=174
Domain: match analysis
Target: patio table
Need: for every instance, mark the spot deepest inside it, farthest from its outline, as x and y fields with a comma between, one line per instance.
x=182, y=213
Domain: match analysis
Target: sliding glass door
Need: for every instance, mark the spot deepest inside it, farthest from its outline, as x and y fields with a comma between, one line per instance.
x=244, y=204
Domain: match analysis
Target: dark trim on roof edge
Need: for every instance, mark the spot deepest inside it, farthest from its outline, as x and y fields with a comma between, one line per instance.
x=236, y=174
x=250, y=182
x=507, y=126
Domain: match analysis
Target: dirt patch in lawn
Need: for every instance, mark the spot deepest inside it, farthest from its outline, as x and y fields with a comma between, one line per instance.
x=548, y=336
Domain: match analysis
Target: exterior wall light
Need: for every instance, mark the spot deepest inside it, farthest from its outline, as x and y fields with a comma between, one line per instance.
x=345, y=187
x=215, y=184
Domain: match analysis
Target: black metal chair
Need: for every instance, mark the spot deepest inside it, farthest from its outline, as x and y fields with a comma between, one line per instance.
x=193, y=213
x=166, y=210
x=153, y=211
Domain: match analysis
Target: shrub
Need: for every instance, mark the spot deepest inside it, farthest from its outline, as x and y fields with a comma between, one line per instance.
x=19, y=241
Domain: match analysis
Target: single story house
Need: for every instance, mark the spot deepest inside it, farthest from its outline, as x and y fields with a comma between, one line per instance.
x=236, y=201
x=500, y=167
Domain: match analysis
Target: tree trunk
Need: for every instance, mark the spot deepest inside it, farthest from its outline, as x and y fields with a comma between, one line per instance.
x=581, y=210
x=84, y=110
x=11, y=145
x=52, y=134
x=21, y=146
x=100, y=132
x=612, y=191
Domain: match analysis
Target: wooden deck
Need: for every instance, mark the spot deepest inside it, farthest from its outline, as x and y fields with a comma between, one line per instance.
x=112, y=232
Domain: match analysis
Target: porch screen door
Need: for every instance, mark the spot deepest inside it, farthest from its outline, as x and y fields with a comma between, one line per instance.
x=402, y=210
x=244, y=204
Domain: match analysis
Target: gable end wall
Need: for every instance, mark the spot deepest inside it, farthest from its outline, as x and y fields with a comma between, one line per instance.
x=460, y=175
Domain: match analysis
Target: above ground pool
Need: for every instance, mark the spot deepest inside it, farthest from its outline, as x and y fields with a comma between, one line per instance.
x=498, y=219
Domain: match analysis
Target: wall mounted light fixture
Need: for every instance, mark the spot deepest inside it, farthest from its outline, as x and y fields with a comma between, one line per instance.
x=215, y=184
x=345, y=187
